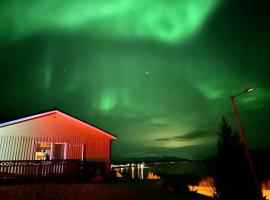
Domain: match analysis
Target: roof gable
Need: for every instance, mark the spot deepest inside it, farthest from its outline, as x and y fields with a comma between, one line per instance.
x=26, y=118
x=62, y=114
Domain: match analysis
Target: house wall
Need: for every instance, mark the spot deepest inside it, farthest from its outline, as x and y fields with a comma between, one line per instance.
x=23, y=148
x=17, y=141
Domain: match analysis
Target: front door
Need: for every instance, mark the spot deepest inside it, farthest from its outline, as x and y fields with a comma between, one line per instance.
x=59, y=151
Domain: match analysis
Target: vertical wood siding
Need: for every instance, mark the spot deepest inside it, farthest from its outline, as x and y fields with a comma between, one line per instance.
x=23, y=148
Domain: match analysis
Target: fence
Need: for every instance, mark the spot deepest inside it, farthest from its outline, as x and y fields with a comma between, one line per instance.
x=39, y=168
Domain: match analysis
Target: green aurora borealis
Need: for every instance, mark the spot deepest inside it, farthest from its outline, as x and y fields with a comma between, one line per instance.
x=157, y=74
x=151, y=19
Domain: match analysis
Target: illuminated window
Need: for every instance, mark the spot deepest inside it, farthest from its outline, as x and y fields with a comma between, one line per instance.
x=43, y=151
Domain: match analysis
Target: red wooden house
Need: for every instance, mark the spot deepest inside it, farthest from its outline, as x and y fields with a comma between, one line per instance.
x=60, y=135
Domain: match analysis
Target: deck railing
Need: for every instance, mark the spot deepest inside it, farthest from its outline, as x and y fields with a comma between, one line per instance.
x=39, y=168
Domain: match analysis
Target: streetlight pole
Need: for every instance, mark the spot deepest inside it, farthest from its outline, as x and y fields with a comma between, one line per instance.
x=244, y=139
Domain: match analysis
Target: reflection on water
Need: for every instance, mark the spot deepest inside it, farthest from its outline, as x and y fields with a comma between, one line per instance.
x=205, y=187
x=134, y=171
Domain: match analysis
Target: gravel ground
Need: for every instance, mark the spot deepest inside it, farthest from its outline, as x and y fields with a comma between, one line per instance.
x=94, y=191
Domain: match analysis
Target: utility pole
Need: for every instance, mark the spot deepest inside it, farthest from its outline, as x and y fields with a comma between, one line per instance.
x=244, y=140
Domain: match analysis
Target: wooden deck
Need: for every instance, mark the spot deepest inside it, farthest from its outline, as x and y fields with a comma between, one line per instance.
x=39, y=168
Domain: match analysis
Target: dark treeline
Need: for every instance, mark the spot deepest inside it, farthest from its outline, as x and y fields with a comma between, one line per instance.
x=231, y=170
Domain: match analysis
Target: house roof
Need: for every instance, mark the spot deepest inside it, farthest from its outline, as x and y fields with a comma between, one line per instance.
x=32, y=117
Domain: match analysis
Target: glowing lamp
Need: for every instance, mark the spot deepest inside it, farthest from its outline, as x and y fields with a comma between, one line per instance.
x=249, y=90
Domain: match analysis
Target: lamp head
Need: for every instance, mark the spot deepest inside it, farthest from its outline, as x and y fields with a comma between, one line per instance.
x=249, y=89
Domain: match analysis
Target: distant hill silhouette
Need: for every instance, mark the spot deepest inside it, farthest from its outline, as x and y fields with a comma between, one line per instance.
x=152, y=159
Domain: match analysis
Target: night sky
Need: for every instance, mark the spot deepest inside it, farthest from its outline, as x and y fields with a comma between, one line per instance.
x=157, y=74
